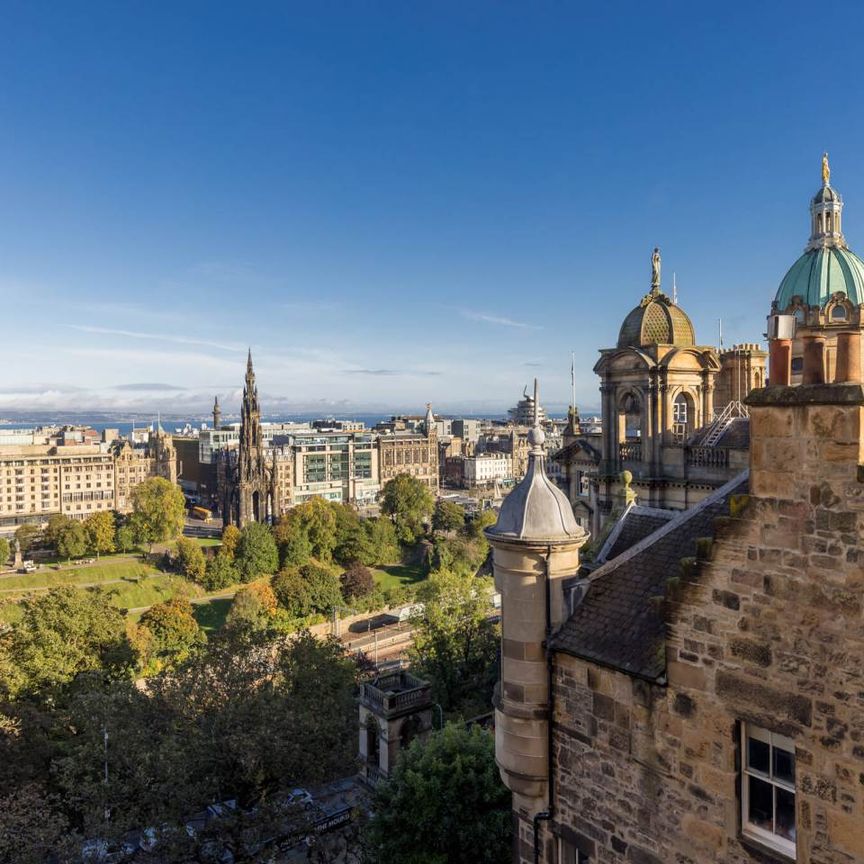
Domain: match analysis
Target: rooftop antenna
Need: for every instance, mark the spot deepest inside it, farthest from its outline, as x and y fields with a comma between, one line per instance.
x=674, y=289
x=573, y=378
x=720, y=331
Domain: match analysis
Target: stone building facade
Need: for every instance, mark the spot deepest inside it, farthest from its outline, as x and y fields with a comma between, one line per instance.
x=134, y=464
x=704, y=702
x=669, y=406
x=77, y=480
x=661, y=736
x=414, y=453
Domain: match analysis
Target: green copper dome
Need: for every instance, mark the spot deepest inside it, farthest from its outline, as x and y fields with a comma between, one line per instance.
x=821, y=272
x=656, y=320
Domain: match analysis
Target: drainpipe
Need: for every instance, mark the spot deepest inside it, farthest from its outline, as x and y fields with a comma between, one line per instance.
x=546, y=815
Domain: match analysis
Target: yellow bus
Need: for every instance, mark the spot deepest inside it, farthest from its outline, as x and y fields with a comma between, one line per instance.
x=201, y=513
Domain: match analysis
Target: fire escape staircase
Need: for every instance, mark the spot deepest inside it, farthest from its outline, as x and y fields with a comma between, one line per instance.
x=732, y=411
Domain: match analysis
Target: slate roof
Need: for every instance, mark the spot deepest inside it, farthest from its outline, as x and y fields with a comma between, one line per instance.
x=635, y=524
x=620, y=622
x=564, y=454
x=736, y=436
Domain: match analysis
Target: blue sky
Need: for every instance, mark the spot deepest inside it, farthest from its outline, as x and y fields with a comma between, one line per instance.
x=398, y=202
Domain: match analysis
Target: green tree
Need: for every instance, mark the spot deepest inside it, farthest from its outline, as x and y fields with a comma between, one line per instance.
x=27, y=537
x=292, y=592
x=149, y=778
x=159, y=511
x=54, y=528
x=72, y=540
x=383, y=545
x=4, y=553
x=324, y=589
x=230, y=539
x=354, y=545
x=257, y=554
x=33, y=827
x=409, y=503
x=220, y=572
x=292, y=536
x=174, y=632
x=101, y=532
x=474, y=528
x=317, y=520
x=254, y=606
x=259, y=715
x=124, y=539
x=356, y=581
x=448, y=516
x=63, y=633
x=455, y=643
x=444, y=804
x=190, y=559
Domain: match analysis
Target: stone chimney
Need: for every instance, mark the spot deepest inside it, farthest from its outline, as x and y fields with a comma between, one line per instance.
x=535, y=544
x=807, y=445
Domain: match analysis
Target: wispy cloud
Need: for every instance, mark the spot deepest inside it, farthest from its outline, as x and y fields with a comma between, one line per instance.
x=500, y=320
x=147, y=387
x=532, y=363
x=390, y=372
x=159, y=337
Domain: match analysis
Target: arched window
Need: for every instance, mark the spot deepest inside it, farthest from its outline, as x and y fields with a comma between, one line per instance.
x=630, y=428
x=683, y=417
x=838, y=313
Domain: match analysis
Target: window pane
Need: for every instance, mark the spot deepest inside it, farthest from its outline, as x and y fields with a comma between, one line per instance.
x=784, y=765
x=758, y=755
x=785, y=813
x=761, y=809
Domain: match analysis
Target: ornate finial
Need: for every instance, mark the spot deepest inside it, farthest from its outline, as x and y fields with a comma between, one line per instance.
x=826, y=170
x=536, y=435
x=249, y=361
x=655, y=270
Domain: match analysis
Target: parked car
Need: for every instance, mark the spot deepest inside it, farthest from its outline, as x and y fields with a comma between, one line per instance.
x=300, y=797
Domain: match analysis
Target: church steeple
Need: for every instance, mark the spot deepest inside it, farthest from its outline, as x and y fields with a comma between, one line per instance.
x=826, y=213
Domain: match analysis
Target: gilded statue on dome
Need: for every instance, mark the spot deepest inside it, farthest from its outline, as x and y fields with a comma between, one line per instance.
x=826, y=170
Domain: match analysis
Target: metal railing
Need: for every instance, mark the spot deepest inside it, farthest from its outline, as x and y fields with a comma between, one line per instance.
x=630, y=451
x=724, y=418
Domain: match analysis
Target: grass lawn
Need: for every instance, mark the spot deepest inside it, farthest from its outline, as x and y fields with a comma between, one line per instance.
x=211, y=615
x=397, y=575
x=135, y=593
x=106, y=570
x=207, y=541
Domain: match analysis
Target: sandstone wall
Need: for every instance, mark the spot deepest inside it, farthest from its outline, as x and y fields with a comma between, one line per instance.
x=767, y=629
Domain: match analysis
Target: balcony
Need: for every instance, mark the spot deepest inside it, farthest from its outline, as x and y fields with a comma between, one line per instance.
x=395, y=693
x=708, y=457
x=630, y=451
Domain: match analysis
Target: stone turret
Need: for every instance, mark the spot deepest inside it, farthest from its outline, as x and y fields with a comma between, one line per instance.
x=535, y=544
x=217, y=414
